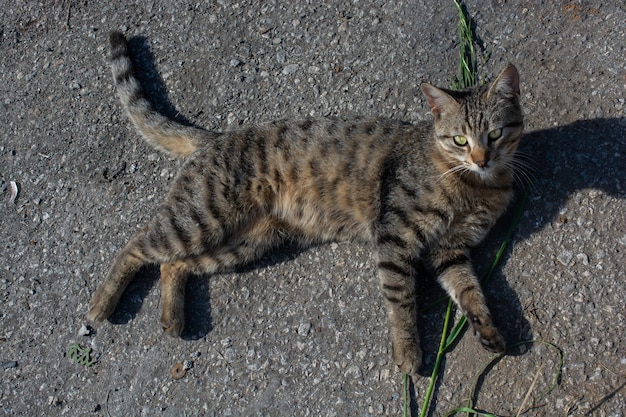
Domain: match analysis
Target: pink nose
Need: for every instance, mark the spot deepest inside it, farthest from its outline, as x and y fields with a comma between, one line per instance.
x=482, y=163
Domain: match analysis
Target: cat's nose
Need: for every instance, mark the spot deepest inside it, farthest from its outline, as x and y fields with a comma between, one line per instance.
x=480, y=157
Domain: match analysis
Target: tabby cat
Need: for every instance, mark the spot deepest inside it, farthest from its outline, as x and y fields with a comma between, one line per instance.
x=431, y=188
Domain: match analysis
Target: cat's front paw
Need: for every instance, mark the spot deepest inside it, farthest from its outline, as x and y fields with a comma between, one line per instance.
x=487, y=334
x=407, y=355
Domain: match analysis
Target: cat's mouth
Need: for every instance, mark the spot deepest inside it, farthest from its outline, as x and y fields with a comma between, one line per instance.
x=486, y=172
x=483, y=170
x=467, y=170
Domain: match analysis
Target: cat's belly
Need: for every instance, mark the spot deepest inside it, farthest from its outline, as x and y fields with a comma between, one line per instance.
x=316, y=221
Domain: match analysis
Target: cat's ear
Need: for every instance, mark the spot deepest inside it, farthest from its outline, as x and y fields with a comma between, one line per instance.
x=507, y=83
x=438, y=100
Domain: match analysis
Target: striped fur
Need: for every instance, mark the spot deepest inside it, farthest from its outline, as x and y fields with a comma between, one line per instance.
x=160, y=131
x=405, y=188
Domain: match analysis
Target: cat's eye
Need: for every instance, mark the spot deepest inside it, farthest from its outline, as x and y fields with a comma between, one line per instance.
x=460, y=140
x=495, y=134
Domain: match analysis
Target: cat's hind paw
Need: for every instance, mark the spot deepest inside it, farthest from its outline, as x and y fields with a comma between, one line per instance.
x=172, y=326
x=101, y=306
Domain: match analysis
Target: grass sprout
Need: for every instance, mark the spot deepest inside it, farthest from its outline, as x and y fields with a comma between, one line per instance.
x=80, y=355
x=467, y=55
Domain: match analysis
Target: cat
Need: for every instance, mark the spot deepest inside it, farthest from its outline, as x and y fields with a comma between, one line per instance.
x=433, y=189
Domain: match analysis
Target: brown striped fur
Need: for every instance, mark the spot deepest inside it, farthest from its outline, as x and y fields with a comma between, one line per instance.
x=433, y=187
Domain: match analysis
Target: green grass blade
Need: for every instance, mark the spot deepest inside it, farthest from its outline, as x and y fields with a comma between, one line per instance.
x=467, y=61
x=440, y=355
x=469, y=410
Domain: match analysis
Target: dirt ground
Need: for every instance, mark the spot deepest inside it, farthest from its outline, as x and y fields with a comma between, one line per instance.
x=302, y=333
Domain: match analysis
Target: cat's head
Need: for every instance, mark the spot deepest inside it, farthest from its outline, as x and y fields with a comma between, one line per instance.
x=478, y=129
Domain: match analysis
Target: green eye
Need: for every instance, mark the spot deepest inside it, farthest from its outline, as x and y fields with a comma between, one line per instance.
x=460, y=140
x=494, y=134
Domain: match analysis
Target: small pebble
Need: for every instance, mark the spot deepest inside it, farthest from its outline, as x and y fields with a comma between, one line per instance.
x=353, y=372
x=290, y=69
x=304, y=329
x=565, y=257
x=230, y=355
x=9, y=364
x=84, y=330
x=187, y=365
x=582, y=258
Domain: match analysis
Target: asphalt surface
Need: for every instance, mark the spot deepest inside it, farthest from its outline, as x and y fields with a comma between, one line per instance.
x=304, y=331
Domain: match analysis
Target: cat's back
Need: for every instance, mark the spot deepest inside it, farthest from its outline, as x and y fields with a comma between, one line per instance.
x=308, y=134
x=327, y=146
x=316, y=171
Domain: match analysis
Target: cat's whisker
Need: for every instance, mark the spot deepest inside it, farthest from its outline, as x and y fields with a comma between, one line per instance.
x=525, y=159
x=452, y=171
x=526, y=167
x=523, y=155
x=521, y=170
x=521, y=180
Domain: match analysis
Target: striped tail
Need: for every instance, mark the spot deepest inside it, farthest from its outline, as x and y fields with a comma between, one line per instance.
x=160, y=131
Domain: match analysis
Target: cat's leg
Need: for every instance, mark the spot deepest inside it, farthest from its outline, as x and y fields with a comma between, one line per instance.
x=456, y=275
x=180, y=229
x=124, y=267
x=166, y=238
x=394, y=254
x=173, y=282
x=243, y=247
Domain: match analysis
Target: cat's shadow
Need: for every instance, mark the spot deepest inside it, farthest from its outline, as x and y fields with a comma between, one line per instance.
x=198, y=321
x=586, y=154
x=151, y=81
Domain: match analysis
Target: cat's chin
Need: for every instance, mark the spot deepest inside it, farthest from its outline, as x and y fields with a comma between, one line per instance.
x=492, y=175
x=485, y=175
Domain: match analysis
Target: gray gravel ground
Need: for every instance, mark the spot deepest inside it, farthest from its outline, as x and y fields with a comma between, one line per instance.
x=303, y=332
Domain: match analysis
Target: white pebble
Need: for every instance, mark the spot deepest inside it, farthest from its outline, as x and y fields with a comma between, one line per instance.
x=304, y=329
x=84, y=331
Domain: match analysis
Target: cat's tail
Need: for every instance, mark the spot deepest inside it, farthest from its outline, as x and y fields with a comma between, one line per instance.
x=160, y=131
